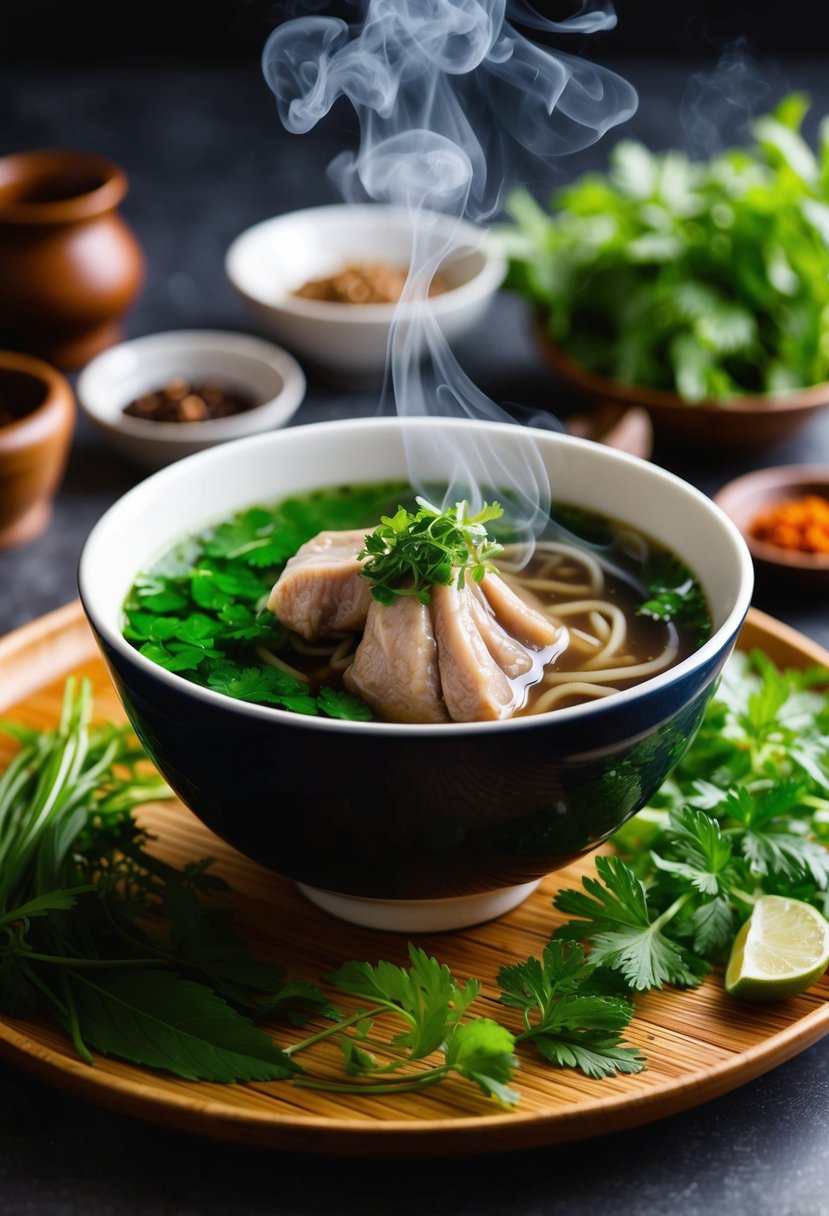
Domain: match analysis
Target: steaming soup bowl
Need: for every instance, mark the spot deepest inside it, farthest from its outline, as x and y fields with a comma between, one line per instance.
x=411, y=827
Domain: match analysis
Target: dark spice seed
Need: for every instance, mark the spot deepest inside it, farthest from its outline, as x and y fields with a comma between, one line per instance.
x=181, y=401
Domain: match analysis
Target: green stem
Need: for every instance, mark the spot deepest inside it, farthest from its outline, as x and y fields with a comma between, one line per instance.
x=671, y=912
x=74, y=1025
x=68, y=961
x=402, y=1085
x=335, y=1029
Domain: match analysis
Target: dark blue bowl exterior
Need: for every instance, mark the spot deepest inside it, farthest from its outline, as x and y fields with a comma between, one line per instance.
x=417, y=817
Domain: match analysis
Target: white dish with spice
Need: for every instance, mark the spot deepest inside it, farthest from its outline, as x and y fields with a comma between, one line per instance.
x=200, y=366
x=271, y=261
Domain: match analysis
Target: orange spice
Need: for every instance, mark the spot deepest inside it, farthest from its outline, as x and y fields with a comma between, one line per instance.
x=800, y=524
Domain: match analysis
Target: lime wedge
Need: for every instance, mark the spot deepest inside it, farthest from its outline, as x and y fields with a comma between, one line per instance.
x=782, y=949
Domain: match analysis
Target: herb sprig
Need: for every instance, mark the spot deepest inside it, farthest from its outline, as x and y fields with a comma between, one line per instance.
x=705, y=278
x=201, y=611
x=411, y=551
x=745, y=813
x=134, y=958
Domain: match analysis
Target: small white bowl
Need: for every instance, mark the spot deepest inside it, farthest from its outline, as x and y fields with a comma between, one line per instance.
x=269, y=261
x=236, y=361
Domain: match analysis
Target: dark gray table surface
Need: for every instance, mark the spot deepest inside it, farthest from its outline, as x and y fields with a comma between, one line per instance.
x=206, y=156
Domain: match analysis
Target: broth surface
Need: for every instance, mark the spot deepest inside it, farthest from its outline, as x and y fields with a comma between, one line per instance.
x=631, y=608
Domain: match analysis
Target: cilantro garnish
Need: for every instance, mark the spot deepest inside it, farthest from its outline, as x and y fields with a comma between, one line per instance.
x=200, y=611
x=744, y=814
x=568, y=1023
x=675, y=595
x=135, y=958
x=411, y=551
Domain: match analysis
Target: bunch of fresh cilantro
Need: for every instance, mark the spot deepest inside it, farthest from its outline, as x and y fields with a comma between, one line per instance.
x=135, y=958
x=705, y=278
x=200, y=611
x=746, y=813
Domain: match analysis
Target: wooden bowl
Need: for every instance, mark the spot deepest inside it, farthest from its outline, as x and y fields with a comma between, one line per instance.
x=37, y=417
x=743, y=424
x=746, y=497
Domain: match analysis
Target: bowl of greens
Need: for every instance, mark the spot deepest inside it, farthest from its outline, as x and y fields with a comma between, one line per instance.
x=350, y=731
x=698, y=290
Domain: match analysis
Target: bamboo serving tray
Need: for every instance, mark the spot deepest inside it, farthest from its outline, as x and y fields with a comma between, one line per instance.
x=698, y=1044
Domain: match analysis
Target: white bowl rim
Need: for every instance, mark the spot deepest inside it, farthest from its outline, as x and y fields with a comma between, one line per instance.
x=486, y=281
x=268, y=413
x=149, y=486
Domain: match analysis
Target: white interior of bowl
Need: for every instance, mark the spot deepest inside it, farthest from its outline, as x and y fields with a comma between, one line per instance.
x=269, y=261
x=204, y=489
x=236, y=361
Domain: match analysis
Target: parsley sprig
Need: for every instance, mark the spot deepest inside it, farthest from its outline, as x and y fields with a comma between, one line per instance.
x=745, y=813
x=411, y=551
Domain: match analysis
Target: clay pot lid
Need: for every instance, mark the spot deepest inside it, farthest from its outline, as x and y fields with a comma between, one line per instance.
x=746, y=497
x=58, y=185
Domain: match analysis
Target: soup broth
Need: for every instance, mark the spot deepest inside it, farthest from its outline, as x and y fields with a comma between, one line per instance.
x=630, y=608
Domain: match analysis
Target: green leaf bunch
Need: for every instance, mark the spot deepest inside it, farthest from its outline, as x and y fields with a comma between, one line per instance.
x=745, y=813
x=412, y=551
x=136, y=959
x=707, y=278
x=200, y=612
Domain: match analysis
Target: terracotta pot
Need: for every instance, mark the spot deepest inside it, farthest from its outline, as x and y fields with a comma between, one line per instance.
x=69, y=265
x=37, y=417
x=743, y=424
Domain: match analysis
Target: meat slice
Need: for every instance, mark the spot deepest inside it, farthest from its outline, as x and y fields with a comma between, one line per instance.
x=320, y=591
x=530, y=625
x=395, y=667
x=475, y=688
x=513, y=658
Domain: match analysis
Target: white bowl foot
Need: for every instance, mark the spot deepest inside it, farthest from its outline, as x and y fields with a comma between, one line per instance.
x=420, y=915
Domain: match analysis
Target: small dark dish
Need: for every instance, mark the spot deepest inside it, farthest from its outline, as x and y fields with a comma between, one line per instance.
x=745, y=498
x=412, y=826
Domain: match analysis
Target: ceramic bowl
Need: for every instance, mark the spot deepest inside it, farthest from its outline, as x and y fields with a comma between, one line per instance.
x=271, y=260
x=397, y=826
x=744, y=424
x=124, y=372
x=37, y=418
x=747, y=497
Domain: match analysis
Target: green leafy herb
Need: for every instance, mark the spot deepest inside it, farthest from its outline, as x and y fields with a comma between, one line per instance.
x=201, y=611
x=109, y=940
x=136, y=958
x=709, y=279
x=411, y=551
x=430, y=1003
x=569, y=1024
x=674, y=594
x=745, y=813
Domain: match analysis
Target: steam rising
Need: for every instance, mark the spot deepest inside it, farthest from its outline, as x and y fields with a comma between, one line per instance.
x=449, y=96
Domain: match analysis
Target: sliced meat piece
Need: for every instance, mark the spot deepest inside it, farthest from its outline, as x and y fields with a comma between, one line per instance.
x=513, y=658
x=475, y=688
x=320, y=591
x=395, y=666
x=530, y=625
